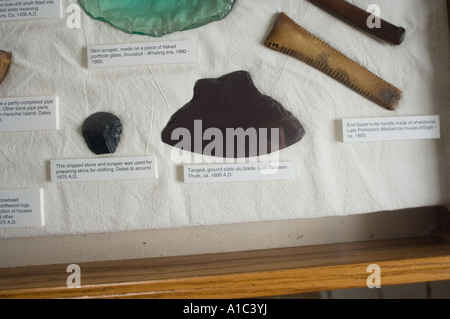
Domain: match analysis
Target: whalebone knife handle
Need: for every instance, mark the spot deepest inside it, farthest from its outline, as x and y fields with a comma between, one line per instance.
x=291, y=39
x=358, y=18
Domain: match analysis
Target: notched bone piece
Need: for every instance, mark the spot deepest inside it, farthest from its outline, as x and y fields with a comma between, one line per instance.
x=5, y=61
x=291, y=39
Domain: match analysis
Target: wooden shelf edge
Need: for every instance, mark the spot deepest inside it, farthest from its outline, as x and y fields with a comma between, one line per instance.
x=240, y=275
x=442, y=230
x=448, y=11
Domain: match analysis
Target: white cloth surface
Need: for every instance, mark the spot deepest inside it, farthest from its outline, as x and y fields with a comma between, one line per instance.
x=333, y=178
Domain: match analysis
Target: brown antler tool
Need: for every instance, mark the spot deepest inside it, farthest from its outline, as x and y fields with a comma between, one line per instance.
x=289, y=38
x=5, y=61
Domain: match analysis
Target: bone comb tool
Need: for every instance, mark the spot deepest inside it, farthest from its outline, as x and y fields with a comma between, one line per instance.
x=289, y=38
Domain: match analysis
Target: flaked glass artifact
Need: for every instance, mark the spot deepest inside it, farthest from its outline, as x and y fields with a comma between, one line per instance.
x=157, y=17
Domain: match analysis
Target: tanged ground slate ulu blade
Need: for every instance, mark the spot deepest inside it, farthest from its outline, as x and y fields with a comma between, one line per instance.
x=229, y=117
x=102, y=132
x=5, y=61
x=157, y=17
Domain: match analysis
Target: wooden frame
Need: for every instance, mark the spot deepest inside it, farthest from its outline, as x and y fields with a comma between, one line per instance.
x=245, y=274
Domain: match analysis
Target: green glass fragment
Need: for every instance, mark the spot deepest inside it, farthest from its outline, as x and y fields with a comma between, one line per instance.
x=157, y=17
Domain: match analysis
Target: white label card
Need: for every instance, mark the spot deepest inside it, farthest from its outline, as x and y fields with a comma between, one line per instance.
x=220, y=173
x=105, y=56
x=11, y=10
x=391, y=129
x=21, y=208
x=105, y=169
x=29, y=114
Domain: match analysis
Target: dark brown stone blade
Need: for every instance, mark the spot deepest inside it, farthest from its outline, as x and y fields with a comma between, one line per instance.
x=229, y=117
x=358, y=18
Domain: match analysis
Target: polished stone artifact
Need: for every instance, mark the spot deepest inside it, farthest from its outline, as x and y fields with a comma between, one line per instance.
x=5, y=61
x=102, y=132
x=157, y=17
x=229, y=117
